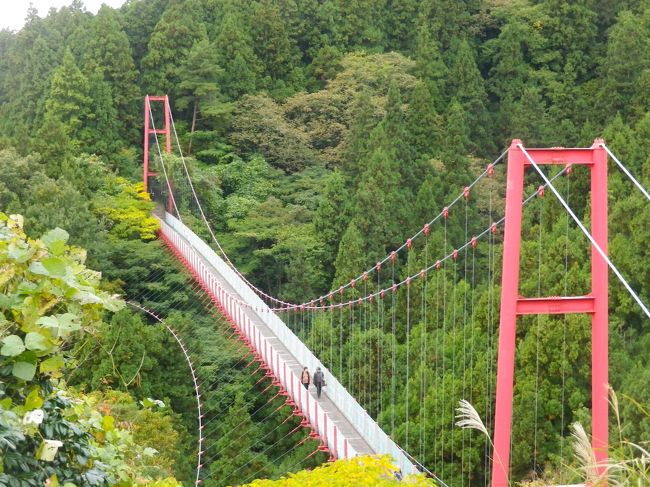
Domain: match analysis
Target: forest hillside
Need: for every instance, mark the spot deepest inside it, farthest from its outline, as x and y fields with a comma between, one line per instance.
x=319, y=134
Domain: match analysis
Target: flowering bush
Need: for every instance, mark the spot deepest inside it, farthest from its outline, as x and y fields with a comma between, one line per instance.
x=363, y=471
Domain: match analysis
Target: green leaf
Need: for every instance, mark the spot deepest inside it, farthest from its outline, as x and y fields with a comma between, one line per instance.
x=113, y=303
x=55, y=266
x=38, y=268
x=33, y=400
x=24, y=370
x=48, y=450
x=19, y=254
x=68, y=324
x=52, y=364
x=48, y=322
x=55, y=240
x=63, y=324
x=12, y=346
x=5, y=300
x=85, y=297
x=36, y=341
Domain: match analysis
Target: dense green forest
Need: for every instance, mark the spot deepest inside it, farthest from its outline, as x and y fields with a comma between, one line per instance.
x=319, y=134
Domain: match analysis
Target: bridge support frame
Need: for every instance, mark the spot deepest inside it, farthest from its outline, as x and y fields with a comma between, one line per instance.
x=513, y=305
x=148, y=131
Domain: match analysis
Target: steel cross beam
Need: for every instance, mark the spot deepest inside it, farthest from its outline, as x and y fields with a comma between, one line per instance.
x=513, y=305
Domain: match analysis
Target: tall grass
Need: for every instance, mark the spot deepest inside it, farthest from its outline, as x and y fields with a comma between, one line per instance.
x=628, y=464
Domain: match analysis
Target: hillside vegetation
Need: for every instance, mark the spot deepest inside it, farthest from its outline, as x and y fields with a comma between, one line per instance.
x=319, y=135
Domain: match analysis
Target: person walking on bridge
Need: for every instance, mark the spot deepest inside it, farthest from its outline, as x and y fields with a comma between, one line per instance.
x=319, y=381
x=305, y=378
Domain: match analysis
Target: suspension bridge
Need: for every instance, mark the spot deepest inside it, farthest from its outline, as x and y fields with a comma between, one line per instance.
x=412, y=292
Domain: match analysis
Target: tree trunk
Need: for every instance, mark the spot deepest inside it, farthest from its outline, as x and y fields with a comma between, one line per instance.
x=196, y=105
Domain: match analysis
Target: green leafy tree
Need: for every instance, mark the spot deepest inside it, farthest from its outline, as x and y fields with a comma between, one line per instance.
x=139, y=20
x=626, y=59
x=200, y=76
x=236, y=458
x=324, y=65
x=363, y=121
x=351, y=259
x=274, y=48
x=332, y=216
x=68, y=101
x=396, y=140
x=236, y=55
x=378, y=189
x=258, y=127
x=457, y=137
x=446, y=18
x=430, y=67
x=402, y=22
x=45, y=203
x=466, y=85
x=423, y=124
x=101, y=131
x=169, y=45
x=570, y=31
x=30, y=60
x=108, y=52
x=362, y=22
x=509, y=72
x=529, y=119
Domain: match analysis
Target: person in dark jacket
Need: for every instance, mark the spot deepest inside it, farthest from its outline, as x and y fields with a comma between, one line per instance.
x=305, y=378
x=319, y=381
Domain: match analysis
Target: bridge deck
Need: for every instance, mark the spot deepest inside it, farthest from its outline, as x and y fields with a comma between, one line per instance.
x=342, y=424
x=334, y=414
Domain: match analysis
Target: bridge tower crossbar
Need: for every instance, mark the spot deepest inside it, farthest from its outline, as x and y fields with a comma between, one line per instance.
x=514, y=305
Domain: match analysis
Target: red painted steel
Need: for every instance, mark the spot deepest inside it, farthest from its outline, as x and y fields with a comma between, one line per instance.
x=555, y=305
x=512, y=305
x=600, y=318
x=166, y=131
x=507, y=326
x=560, y=156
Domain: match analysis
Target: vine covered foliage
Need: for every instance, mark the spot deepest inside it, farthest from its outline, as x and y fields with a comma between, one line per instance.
x=51, y=434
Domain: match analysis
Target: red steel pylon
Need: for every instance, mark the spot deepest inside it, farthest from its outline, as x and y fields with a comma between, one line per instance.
x=148, y=131
x=513, y=305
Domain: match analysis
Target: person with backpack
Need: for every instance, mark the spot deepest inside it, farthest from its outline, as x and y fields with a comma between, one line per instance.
x=319, y=381
x=305, y=378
